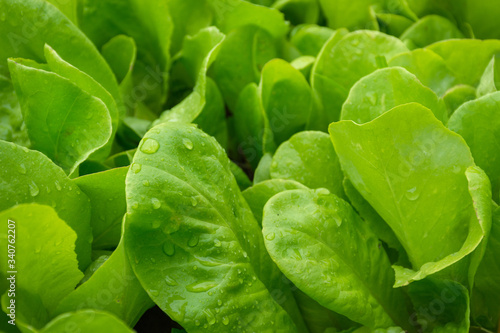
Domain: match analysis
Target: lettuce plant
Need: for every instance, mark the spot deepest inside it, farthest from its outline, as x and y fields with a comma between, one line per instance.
x=295, y=166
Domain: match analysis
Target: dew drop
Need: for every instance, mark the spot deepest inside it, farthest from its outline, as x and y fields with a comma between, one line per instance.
x=168, y=249
x=194, y=202
x=22, y=169
x=188, y=143
x=225, y=320
x=58, y=186
x=217, y=243
x=199, y=287
x=210, y=316
x=156, y=203
x=89, y=115
x=135, y=167
x=270, y=236
x=323, y=191
x=145, y=183
x=34, y=190
x=170, y=281
x=456, y=169
x=412, y=194
x=156, y=224
x=338, y=220
x=297, y=253
x=154, y=292
x=372, y=97
x=219, y=302
x=38, y=249
x=150, y=146
x=193, y=241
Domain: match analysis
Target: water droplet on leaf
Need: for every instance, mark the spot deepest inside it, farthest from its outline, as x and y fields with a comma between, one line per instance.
x=188, y=143
x=193, y=241
x=156, y=203
x=199, y=287
x=270, y=236
x=170, y=281
x=210, y=316
x=412, y=194
x=372, y=97
x=135, y=167
x=168, y=249
x=22, y=169
x=34, y=190
x=150, y=146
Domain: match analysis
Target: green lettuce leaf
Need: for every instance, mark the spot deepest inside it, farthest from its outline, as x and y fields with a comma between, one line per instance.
x=258, y=195
x=385, y=89
x=286, y=98
x=428, y=67
x=359, y=14
x=310, y=38
x=344, y=60
x=430, y=29
x=467, y=58
x=313, y=235
x=113, y=288
x=12, y=127
x=254, y=136
x=231, y=14
x=305, y=158
x=198, y=53
x=87, y=321
x=240, y=60
x=486, y=292
x=441, y=306
x=30, y=177
x=150, y=25
x=458, y=95
x=90, y=86
x=490, y=80
x=79, y=123
x=478, y=123
x=298, y=11
x=106, y=191
x=29, y=25
x=202, y=239
x=45, y=262
x=423, y=183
